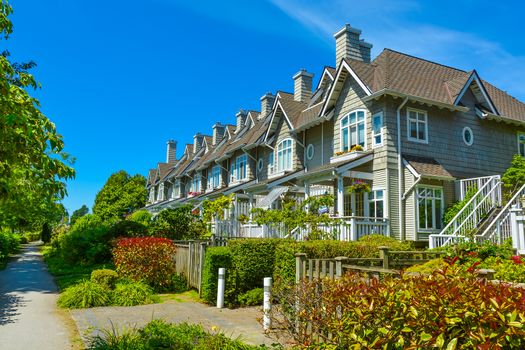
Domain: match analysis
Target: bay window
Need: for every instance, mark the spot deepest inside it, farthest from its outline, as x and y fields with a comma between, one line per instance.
x=353, y=130
x=284, y=155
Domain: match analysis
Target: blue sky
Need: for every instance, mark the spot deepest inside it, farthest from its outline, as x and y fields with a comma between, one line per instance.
x=120, y=78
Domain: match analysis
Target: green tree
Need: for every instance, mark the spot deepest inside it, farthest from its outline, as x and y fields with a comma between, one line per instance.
x=514, y=176
x=178, y=223
x=33, y=165
x=121, y=195
x=78, y=214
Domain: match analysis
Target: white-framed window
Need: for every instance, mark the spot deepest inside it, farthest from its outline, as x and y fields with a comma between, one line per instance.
x=521, y=143
x=215, y=179
x=260, y=164
x=417, y=124
x=376, y=203
x=353, y=128
x=284, y=155
x=196, y=183
x=176, y=189
x=377, y=129
x=430, y=206
x=310, y=151
x=468, y=136
x=238, y=168
x=271, y=165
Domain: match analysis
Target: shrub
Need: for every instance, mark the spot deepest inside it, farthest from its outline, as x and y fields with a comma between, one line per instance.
x=178, y=223
x=83, y=295
x=429, y=267
x=9, y=243
x=148, y=259
x=159, y=334
x=132, y=293
x=127, y=228
x=105, y=277
x=511, y=270
x=252, y=297
x=217, y=257
x=86, y=246
x=45, y=235
x=456, y=207
x=143, y=217
x=440, y=310
x=179, y=284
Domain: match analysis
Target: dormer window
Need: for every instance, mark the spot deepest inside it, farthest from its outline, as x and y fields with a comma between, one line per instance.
x=353, y=130
x=284, y=155
x=196, y=184
x=215, y=180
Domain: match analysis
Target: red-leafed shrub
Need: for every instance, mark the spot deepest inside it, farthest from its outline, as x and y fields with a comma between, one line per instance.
x=148, y=259
x=443, y=310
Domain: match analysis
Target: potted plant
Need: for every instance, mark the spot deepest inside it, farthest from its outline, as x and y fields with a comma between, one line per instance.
x=359, y=186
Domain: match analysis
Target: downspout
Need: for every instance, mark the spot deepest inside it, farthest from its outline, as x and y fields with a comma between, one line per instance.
x=402, y=234
x=322, y=143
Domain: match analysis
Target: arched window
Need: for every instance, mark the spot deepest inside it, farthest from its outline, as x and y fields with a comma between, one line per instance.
x=284, y=155
x=353, y=130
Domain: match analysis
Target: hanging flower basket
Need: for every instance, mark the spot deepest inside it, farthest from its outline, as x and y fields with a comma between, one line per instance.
x=358, y=186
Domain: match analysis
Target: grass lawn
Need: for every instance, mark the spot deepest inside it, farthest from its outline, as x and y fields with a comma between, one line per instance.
x=65, y=274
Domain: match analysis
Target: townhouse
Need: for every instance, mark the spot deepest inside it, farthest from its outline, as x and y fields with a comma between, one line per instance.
x=418, y=133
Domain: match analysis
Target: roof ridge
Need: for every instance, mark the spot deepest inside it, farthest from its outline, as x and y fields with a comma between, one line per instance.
x=424, y=59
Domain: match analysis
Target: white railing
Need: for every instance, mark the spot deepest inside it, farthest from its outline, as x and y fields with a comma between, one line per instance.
x=475, y=210
x=349, y=228
x=436, y=241
x=500, y=228
x=475, y=182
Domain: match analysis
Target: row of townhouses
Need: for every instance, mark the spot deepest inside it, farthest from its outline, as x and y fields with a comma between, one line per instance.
x=416, y=131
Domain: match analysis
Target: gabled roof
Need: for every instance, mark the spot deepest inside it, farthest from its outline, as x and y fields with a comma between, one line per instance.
x=393, y=71
x=162, y=170
x=426, y=167
x=151, y=176
x=289, y=109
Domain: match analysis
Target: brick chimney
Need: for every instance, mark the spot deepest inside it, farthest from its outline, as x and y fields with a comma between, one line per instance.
x=197, y=142
x=241, y=120
x=348, y=44
x=171, y=153
x=218, y=133
x=302, y=86
x=267, y=101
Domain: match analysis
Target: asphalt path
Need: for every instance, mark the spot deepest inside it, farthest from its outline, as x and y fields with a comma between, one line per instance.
x=28, y=313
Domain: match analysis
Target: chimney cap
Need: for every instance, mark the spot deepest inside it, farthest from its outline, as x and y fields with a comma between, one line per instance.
x=303, y=72
x=170, y=142
x=347, y=28
x=217, y=125
x=267, y=95
x=241, y=112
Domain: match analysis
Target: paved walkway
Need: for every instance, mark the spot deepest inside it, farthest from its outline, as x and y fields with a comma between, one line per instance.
x=241, y=323
x=28, y=315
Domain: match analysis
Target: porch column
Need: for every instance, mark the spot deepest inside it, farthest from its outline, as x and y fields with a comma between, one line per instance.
x=307, y=193
x=340, y=196
x=250, y=200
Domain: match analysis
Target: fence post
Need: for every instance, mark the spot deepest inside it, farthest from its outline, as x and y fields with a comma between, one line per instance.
x=191, y=247
x=267, y=304
x=353, y=232
x=300, y=258
x=220, y=288
x=383, y=254
x=202, y=253
x=339, y=261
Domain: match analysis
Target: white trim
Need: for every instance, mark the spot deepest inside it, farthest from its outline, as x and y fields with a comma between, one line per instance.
x=347, y=115
x=274, y=112
x=310, y=149
x=413, y=139
x=411, y=168
x=381, y=133
x=475, y=76
x=325, y=72
x=276, y=159
x=466, y=128
x=336, y=79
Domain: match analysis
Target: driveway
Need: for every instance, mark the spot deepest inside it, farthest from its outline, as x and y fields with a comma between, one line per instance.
x=28, y=313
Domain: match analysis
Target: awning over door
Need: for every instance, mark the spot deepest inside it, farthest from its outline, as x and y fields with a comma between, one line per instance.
x=268, y=200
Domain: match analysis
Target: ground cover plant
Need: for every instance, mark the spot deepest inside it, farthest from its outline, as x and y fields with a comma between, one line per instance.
x=444, y=310
x=159, y=334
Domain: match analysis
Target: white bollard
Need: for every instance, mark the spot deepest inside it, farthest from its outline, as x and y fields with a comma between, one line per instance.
x=220, y=288
x=267, y=305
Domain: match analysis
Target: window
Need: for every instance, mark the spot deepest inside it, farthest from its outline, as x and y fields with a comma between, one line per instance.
x=284, y=155
x=310, y=150
x=215, y=180
x=271, y=167
x=376, y=204
x=260, y=164
x=468, y=136
x=353, y=130
x=521, y=143
x=238, y=169
x=417, y=125
x=430, y=208
x=196, y=184
x=176, y=189
x=377, y=129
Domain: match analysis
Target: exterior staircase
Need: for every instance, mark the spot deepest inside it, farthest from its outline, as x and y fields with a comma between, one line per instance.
x=475, y=214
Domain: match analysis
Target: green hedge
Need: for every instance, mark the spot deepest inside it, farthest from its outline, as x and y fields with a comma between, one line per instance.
x=248, y=261
x=9, y=243
x=216, y=258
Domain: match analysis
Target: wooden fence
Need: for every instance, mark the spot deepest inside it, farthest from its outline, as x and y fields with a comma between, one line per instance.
x=389, y=262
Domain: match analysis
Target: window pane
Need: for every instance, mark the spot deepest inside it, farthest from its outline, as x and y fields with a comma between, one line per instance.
x=421, y=131
x=522, y=149
x=346, y=142
x=379, y=211
x=413, y=129
x=352, y=118
x=361, y=132
x=429, y=213
x=353, y=136
x=379, y=194
x=421, y=210
x=437, y=213
x=371, y=209
x=412, y=115
x=377, y=124
x=344, y=121
x=360, y=116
